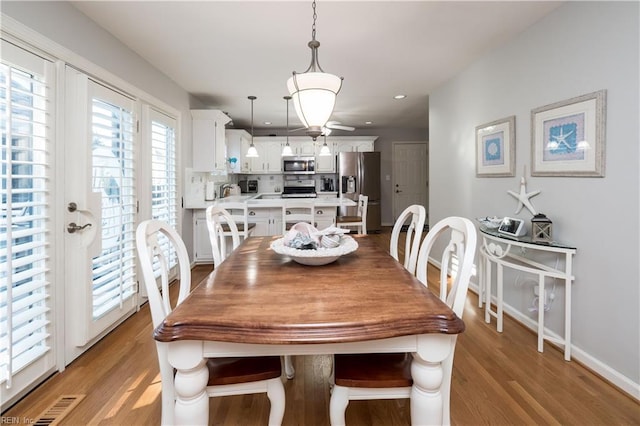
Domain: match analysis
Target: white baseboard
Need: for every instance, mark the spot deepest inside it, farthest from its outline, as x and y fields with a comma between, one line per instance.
x=616, y=378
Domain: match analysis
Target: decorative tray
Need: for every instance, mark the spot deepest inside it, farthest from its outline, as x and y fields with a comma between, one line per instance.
x=319, y=256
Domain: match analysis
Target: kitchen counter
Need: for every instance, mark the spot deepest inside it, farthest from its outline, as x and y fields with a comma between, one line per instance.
x=267, y=200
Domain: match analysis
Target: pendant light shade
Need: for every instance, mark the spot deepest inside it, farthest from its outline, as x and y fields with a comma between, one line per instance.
x=252, y=152
x=314, y=91
x=314, y=97
x=286, y=150
x=325, y=151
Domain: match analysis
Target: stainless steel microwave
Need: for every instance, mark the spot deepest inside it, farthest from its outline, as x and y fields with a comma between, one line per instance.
x=299, y=165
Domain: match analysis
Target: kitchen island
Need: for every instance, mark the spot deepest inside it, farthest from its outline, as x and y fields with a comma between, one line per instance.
x=265, y=210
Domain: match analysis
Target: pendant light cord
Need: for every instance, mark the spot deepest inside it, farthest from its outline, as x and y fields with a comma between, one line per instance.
x=313, y=26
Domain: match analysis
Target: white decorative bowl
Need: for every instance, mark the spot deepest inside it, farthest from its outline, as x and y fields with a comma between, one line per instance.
x=490, y=222
x=320, y=256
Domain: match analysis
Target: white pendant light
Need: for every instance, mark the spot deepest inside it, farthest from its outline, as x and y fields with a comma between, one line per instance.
x=286, y=150
x=252, y=152
x=314, y=91
x=325, y=151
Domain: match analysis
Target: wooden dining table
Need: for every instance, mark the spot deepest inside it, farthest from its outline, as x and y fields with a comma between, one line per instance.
x=258, y=302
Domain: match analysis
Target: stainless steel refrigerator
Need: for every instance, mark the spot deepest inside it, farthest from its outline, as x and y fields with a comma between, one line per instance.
x=359, y=173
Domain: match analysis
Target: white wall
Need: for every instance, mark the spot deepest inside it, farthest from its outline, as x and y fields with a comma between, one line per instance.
x=580, y=48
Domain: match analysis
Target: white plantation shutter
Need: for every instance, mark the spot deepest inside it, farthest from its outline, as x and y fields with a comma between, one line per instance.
x=114, y=277
x=164, y=188
x=25, y=175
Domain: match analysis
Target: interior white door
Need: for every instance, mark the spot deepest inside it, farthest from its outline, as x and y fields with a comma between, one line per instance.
x=410, y=176
x=101, y=202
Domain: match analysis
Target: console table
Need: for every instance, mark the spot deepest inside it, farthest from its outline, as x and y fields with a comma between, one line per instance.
x=509, y=252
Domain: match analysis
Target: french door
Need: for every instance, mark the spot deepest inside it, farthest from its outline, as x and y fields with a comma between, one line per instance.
x=101, y=209
x=27, y=223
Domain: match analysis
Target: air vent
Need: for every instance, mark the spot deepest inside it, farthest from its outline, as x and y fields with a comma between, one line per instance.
x=58, y=410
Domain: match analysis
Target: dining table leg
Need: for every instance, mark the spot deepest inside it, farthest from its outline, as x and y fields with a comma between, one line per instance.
x=190, y=384
x=427, y=374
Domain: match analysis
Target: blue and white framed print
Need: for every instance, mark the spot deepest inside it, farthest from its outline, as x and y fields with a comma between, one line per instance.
x=495, y=148
x=567, y=138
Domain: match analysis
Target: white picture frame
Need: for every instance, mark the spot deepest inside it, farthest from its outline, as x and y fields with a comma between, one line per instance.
x=568, y=137
x=495, y=148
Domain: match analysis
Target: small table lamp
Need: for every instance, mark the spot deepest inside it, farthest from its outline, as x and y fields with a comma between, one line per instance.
x=541, y=228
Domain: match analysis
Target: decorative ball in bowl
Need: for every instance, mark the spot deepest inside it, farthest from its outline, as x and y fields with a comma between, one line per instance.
x=319, y=256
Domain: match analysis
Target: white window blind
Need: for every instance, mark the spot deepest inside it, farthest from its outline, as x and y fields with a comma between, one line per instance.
x=24, y=228
x=164, y=178
x=113, y=173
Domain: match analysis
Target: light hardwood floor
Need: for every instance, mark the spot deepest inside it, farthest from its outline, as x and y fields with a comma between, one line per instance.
x=498, y=379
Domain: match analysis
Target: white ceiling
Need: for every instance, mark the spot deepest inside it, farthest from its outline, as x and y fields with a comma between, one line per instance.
x=223, y=51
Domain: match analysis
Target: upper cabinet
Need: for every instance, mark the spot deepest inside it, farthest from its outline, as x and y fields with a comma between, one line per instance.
x=209, y=141
x=269, y=156
x=327, y=164
x=305, y=147
x=354, y=144
x=269, y=149
x=238, y=142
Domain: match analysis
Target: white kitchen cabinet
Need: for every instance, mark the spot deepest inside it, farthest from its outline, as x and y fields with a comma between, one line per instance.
x=209, y=141
x=305, y=147
x=268, y=221
x=325, y=217
x=354, y=144
x=269, y=156
x=238, y=141
x=202, y=251
x=325, y=164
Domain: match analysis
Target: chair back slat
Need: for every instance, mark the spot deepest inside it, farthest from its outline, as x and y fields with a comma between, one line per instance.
x=416, y=216
x=456, y=259
x=217, y=219
x=150, y=247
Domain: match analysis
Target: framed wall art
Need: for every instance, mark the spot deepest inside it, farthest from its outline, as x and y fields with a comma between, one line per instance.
x=567, y=138
x=495, y=148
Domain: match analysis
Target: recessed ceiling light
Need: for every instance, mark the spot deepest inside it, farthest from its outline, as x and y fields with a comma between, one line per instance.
x=368, y=122
x=399, y=96
x=267, y=122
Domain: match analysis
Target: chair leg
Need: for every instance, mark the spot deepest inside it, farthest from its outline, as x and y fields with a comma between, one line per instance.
x=289, y=371
x=338, y=405
x=447, y=371
x=275, y=393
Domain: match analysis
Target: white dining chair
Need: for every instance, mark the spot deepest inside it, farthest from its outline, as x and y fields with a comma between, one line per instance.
x=239, y=212
x=415, y=215
x=221, y=225
x=359, y=220
x=294, y=211
x=388, y=376
x=227, y=376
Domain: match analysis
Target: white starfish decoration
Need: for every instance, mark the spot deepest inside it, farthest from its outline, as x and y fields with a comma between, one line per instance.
x=523, y=197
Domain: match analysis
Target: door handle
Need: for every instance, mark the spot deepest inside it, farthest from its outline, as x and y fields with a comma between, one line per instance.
x=73, y=227
x=398, y=190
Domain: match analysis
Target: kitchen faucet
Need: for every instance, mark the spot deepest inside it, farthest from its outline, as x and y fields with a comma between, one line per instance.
x=224, y=189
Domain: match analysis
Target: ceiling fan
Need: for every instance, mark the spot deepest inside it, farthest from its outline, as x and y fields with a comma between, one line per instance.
x=336, y=125
x=327, y=128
